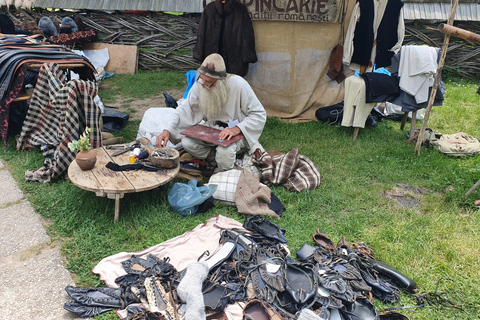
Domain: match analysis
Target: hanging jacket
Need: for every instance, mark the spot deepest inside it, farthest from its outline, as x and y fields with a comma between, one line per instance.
x=387, y=36
x=227, y=29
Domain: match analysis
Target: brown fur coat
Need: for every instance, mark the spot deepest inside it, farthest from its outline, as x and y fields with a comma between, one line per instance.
x=237, y=45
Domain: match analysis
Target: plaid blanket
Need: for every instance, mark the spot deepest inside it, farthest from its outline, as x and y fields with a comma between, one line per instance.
x=294, y=171
x=59, y=112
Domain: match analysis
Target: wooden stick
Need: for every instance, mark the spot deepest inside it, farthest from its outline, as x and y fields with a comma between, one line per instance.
x=453, y=9
x=475, y=186
x=459, y=32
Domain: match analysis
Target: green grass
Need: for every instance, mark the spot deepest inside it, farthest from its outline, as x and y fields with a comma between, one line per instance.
x=143, y=84
x=436, y=240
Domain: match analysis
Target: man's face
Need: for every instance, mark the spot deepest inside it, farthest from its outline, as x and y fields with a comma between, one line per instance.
x=206, y=81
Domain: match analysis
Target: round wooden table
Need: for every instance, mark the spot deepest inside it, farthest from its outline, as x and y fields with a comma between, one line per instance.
x=114, y=184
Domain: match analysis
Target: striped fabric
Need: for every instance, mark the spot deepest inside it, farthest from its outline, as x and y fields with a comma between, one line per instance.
x=294, y=171
x=58, y=113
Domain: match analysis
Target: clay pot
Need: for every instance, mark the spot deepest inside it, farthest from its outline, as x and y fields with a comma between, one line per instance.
x=86, y=159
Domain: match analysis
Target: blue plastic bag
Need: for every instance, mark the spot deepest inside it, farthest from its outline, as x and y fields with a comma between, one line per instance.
x=185, y=198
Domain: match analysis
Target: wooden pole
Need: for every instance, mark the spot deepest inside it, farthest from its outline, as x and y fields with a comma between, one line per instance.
x=453, y=9
x=459, y=32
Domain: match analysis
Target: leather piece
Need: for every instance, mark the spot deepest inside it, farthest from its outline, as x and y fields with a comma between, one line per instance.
x=215, y=296
x=392, y=315
x=271, y=268
x=305, y=252
x=266, y=228
x=399, y=278
x=361, y=309
x=85, y=311
x=260, y=310
x=96, y=297
x=300, y=282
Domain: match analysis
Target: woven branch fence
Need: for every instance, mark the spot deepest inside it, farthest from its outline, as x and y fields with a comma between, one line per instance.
x=463, y=57
x=166, y=41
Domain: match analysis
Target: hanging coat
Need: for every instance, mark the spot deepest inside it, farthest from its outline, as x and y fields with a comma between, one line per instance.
x=227, y=29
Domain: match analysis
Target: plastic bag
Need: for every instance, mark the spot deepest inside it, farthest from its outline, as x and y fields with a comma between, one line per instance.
x=185, y=198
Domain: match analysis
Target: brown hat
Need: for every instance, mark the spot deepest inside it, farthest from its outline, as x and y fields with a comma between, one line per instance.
x=214, y=67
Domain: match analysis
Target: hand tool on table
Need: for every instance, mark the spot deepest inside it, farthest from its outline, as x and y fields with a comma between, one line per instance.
x=125, y=148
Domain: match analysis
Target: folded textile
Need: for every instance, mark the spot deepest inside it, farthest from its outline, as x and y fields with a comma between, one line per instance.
x=251, y=197
x=418, y=65
x=380, y=87
x=128, y=167
x=294, y=171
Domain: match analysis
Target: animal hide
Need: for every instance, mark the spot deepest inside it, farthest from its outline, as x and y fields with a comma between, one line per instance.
x=237, y=43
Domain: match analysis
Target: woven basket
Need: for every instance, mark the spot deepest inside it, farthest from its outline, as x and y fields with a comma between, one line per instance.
x=166, y=158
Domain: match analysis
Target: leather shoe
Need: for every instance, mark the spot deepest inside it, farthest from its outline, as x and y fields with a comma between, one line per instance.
x=324, y=242
x=360, y=309
x=85, y=311
x=401, y=280
x=266, y=228
x=259, y=310
x=300, y=282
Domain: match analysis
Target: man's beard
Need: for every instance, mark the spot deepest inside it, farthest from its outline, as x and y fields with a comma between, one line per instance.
x=211, y=102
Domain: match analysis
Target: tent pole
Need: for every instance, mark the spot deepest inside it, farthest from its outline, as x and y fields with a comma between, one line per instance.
x=453, y=9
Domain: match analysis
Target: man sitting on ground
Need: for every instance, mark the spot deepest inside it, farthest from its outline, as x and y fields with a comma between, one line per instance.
x=224, y=101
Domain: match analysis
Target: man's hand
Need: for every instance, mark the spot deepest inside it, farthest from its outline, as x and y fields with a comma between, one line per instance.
x=229, y=133
x=162, y=139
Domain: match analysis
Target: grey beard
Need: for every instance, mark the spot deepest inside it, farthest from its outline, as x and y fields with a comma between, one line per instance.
x=211, y=102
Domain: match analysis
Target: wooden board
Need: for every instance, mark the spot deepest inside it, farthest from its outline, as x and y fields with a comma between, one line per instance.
x=209, y=134
x=123, y=58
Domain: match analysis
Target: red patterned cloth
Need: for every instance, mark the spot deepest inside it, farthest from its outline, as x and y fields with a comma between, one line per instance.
x=74, y=37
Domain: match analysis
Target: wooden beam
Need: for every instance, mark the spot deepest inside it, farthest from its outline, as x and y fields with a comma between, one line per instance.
x=459, y=32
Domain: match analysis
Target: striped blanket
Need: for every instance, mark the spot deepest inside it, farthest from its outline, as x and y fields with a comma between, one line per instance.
x=59, y=112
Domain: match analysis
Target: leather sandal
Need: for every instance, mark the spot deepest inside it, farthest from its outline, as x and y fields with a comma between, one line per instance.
x=324, y=242
x=360, y=309
x=342, y=244
x=362, y=248
x=158, y=298
x=266, y=228
x=401, y=280
x=392, y=315
x=215, y=296
x=259, y=310
x=300, y=282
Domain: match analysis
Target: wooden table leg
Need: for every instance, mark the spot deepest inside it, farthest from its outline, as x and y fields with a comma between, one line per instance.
x=116, y=197
x=117, y=207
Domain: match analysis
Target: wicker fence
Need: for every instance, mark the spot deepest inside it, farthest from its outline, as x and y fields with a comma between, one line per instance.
x=463, y=57
x=165, y=41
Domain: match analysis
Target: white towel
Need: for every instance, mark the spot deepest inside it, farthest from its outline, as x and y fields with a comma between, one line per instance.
x=417, y=68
